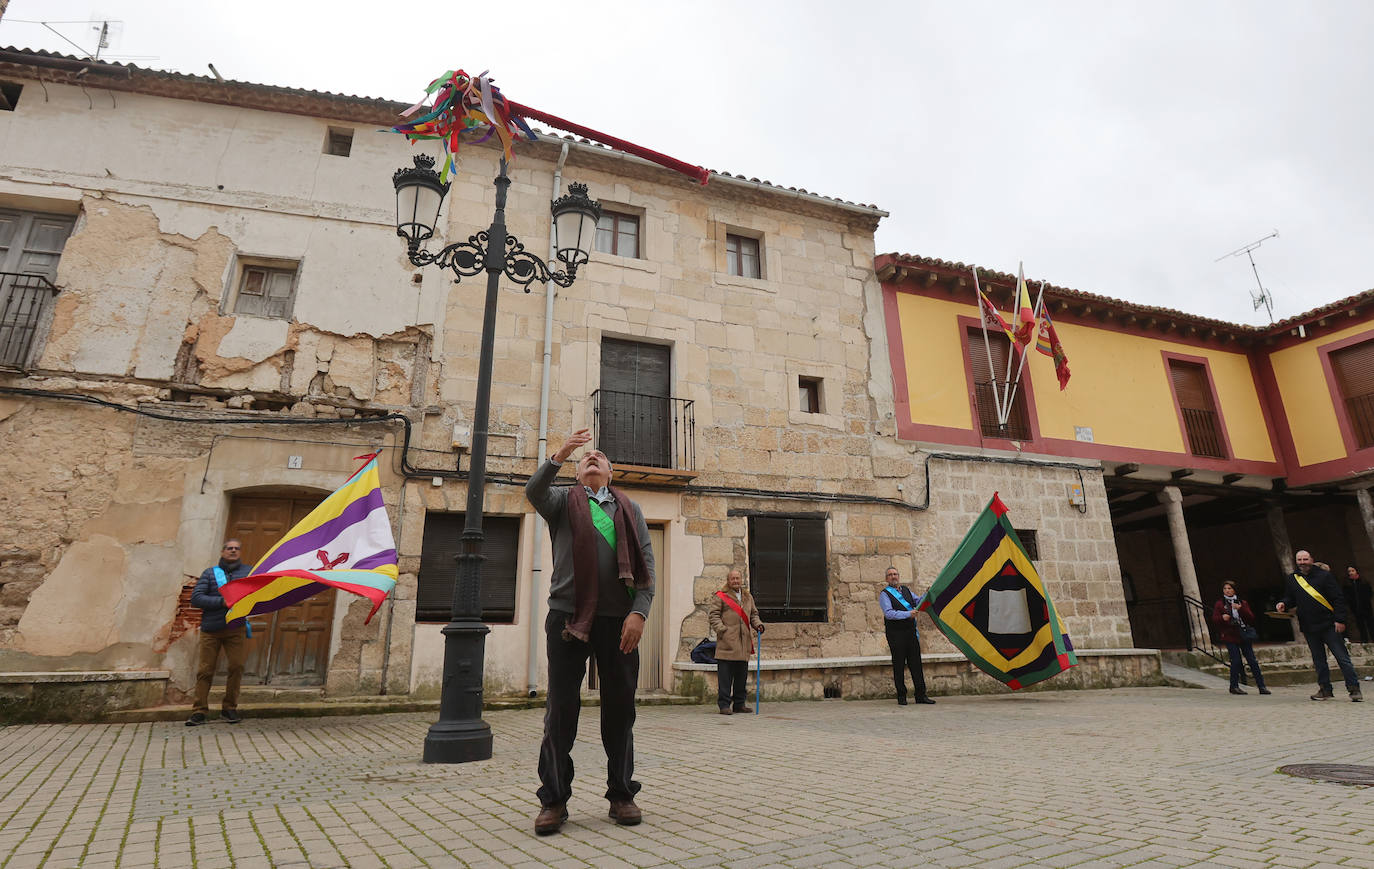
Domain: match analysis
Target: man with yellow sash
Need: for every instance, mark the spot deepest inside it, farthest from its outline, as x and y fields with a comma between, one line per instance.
x=1321, y=615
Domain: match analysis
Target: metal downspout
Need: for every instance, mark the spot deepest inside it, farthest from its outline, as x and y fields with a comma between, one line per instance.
x=532, y=669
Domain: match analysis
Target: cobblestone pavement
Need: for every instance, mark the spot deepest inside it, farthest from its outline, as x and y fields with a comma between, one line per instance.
x=1132, y=777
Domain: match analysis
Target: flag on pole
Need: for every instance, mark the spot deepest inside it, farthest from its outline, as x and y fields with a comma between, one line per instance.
x=991, y=603
x=344, y=543
x=1048, y=343
x=1025, y=329
x=992, y=318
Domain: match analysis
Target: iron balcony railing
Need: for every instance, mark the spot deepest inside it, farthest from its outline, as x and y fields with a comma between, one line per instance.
x=1361, y=411
x=23, y=303
x=648, y=430
x=1016, y=429
x=1204, y=435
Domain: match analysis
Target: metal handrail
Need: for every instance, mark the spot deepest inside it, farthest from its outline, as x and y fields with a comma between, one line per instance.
x=1200, y=629
x=23, y=304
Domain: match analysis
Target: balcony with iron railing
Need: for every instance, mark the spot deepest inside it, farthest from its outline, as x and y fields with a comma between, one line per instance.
x=1204, y=434
x=1016, y=429
x=649, y=438
x=24, y=301
x=1360, y=409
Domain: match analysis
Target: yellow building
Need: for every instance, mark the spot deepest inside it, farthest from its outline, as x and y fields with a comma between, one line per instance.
x=1222, y=447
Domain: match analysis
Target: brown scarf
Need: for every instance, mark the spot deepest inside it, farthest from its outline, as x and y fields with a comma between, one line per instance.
x=630, y=564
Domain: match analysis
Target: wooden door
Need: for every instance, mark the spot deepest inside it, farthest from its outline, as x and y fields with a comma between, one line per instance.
x=290, y=646
x=651, y=644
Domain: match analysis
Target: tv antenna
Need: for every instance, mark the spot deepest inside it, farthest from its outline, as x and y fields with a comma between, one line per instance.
x=1263, y=297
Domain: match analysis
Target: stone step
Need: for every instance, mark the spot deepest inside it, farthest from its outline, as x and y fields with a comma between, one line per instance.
x=290, y=705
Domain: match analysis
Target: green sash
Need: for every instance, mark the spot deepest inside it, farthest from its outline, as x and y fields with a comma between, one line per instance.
x=603, y=521
x=606, y=525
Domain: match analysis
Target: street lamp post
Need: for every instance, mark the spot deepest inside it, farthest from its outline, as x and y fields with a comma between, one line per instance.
x=460, y=735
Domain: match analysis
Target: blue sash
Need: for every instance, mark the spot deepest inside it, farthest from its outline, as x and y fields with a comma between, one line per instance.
x=898, y=599
x=220, y=579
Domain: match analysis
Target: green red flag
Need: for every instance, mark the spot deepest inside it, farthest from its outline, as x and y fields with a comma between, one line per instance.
x=991, y=603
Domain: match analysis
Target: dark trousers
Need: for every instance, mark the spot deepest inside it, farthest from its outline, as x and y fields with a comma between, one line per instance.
x=1238, y=669
x=1319, y=642
x=1365, y=625
x=732, y=680
x=618, y=674
x=905, y=644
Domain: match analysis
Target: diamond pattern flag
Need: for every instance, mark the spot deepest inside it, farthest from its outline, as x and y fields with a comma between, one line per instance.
x=991, y=603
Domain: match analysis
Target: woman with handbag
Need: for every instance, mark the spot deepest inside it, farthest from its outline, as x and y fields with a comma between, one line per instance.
x=734, y=619
x=1236, y=628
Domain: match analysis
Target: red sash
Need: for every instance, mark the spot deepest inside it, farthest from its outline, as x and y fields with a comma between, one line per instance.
x=739, y=611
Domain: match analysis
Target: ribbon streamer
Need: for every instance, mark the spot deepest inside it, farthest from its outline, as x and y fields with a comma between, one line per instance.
x=474, y=109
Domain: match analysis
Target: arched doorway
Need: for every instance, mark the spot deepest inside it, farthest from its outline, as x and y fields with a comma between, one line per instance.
x=290, y=646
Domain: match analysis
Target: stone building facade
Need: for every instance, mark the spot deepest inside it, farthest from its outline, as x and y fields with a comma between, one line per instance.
x=225, y=318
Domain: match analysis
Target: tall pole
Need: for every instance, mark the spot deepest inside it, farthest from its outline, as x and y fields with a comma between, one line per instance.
x=460, y=735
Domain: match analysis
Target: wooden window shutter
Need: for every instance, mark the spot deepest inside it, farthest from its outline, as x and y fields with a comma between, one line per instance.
x=1354, y=370
x=1190, y=385
x=1018, y=425
x=788, y=573
x=439, y=567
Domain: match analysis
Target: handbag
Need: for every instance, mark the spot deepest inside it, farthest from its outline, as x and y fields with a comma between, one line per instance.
x=704, y=652
x=1248, y=634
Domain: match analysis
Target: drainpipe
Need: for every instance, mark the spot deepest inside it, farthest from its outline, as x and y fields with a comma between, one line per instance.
x=532, y=669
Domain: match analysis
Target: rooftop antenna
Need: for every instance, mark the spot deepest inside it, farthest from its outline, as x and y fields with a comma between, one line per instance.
x=1263, y=297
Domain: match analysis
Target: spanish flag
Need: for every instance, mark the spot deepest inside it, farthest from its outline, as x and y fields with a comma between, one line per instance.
x=991, y=603
x=1025, y=330
x=344, y=543
x=1048, y=344
x=992, y=318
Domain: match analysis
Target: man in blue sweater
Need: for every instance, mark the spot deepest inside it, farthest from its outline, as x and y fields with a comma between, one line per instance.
x=215, y=634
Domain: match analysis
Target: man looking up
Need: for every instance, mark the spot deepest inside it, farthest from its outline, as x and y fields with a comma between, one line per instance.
x=600, y=591
x=1321, y=615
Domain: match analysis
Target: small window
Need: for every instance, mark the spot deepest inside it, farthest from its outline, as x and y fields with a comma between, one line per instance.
x=439, y=567
x=9, y=95
x=742, y=256
x=1030, y=541
x=339, y=141
x=809, y=394
x=787, y=568
x=618, y=234
x=266, y=292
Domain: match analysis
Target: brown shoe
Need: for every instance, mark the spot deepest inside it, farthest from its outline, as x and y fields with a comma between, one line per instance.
x=625, y=813
x=1323, y=694
x=550, y=819
x=726, y=711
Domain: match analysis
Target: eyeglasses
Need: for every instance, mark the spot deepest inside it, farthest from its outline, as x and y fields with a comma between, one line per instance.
x=235, y=548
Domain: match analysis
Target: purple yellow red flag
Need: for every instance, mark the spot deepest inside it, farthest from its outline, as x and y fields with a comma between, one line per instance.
x=1025, y=330
x=1048, y=344
x=344, y=543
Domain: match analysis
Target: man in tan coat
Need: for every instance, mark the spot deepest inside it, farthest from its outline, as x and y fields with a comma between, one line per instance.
x=734, y=619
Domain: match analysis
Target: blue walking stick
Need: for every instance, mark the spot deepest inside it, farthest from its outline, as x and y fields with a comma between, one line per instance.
x=758, y=669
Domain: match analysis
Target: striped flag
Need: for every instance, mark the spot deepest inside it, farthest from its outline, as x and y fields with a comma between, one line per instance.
x=992, y=318
x=344, y=543
x=1048, y=343
x=991, y=603
x=1025, y=330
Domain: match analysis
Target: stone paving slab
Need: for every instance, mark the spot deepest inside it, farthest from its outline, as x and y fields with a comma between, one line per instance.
x=1128, y=777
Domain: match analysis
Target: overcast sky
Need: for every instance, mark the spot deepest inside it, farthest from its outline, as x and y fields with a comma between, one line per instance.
x=1116, y=148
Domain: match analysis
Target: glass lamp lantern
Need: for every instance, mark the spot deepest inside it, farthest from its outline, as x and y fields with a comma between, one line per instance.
x=419, y=193
x=574, y=226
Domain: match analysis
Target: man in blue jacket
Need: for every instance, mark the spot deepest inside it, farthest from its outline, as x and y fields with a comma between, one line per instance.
x=215, y=634
x=1320, y=606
